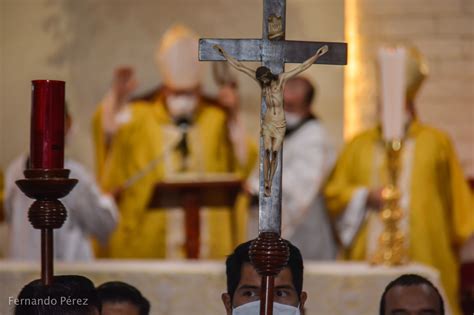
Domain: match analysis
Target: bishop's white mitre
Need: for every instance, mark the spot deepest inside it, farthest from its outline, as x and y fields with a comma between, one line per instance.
x=177, y=58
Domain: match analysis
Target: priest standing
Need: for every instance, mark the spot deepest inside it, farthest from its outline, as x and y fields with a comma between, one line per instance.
x=437, y=205
x=173, y=131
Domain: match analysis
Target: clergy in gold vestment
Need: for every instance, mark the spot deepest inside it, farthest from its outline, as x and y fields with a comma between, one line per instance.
x=439, y=214
x=180, y=134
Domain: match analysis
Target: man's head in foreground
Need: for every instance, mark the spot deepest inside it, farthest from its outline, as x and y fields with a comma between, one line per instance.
x=244, y=284
x=119, y=298
x=411, y=295
x=68, y=295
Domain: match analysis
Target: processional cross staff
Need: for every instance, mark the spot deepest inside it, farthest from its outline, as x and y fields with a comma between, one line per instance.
x=269, y=253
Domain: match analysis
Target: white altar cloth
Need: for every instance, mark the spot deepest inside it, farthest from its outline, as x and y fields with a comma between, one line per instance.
x=184, y=288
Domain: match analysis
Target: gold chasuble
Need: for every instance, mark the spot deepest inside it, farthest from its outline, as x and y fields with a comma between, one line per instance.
x=148, y=135
x=440, y=214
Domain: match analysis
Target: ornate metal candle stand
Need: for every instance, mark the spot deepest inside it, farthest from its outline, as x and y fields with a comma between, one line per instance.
x=47, y=212
x=391, y=249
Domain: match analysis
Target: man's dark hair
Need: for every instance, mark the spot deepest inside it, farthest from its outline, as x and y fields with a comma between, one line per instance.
x=263, y=72
x=120, y=292
x=39, y=299
x=310, y=90
x=406, y=281
x=240, y=256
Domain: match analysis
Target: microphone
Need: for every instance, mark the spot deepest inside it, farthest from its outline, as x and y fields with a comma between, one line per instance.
x=183, y=123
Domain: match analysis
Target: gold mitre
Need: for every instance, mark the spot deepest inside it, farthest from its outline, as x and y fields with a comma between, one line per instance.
x=177, y=58
x=416, y=71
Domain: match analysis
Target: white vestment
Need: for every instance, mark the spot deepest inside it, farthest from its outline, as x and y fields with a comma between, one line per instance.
x=308, y=156
x=89, y=214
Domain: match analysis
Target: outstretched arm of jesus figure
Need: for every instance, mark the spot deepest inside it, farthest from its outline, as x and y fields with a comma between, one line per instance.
x=305, y=65
x=235, y=63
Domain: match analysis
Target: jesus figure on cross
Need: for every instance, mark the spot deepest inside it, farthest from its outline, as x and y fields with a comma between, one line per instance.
x=274, y=123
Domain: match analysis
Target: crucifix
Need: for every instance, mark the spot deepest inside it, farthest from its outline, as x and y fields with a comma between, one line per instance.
x=269, y=253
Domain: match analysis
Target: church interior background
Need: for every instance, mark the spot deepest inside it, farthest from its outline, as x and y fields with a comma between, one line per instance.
x=81, y=42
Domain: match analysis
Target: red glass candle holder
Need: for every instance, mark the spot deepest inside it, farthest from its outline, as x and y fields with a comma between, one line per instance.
x=47, y=124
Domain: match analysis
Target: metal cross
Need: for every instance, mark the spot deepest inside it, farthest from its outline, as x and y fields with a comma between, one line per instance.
x=273, y=51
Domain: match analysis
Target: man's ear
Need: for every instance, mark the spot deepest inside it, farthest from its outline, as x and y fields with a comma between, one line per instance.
x=227, y=300
x=303, y=298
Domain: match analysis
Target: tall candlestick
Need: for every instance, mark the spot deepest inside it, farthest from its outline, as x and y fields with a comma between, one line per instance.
x=47, y=124
x=46, y=180
x=393, y=90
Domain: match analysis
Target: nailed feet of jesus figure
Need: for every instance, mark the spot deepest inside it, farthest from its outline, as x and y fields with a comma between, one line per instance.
x=274, y=124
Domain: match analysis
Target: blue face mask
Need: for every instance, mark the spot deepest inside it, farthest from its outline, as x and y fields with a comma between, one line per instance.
x=253, y=308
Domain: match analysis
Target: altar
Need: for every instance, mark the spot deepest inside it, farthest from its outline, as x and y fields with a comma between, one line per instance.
x=183, y=288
